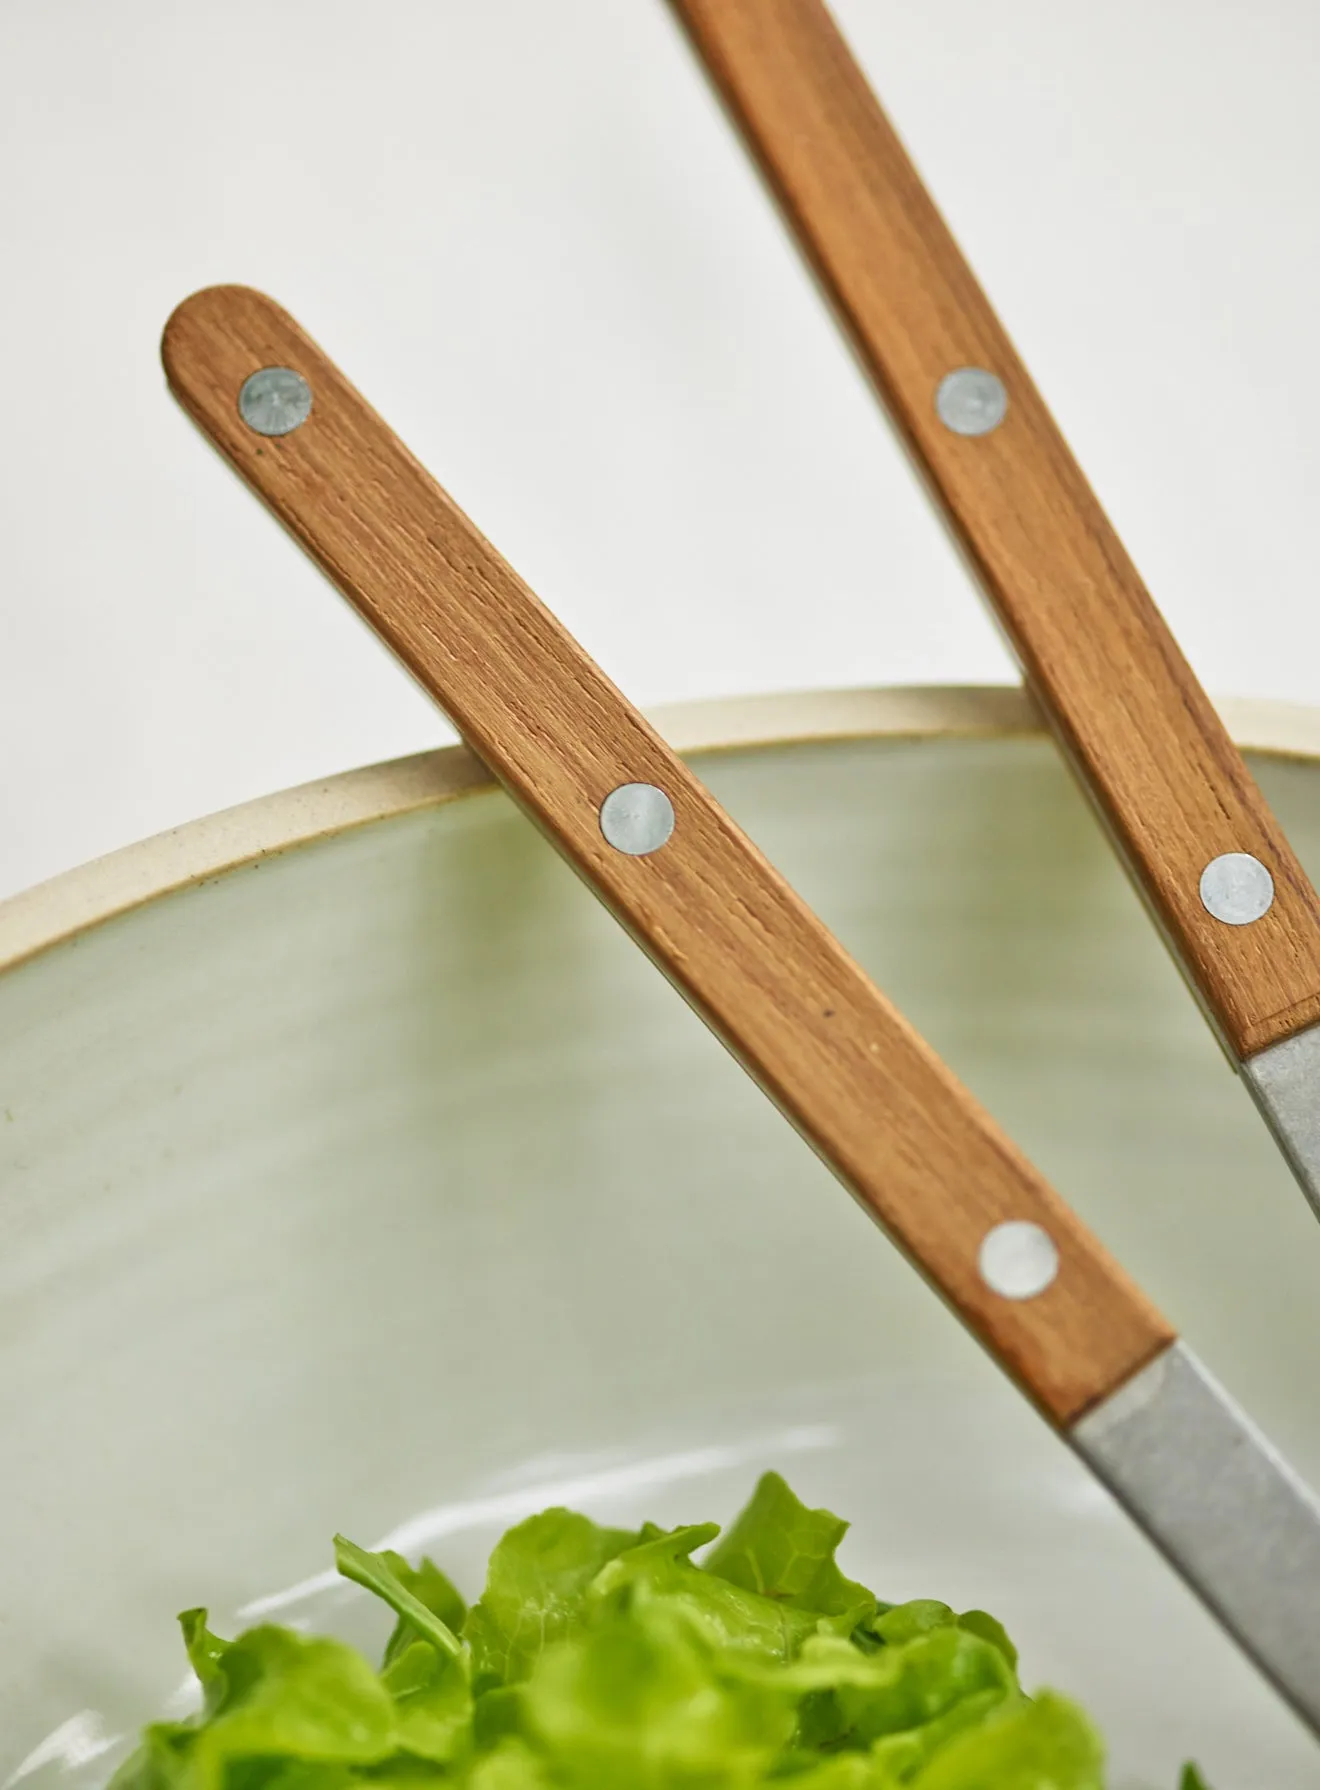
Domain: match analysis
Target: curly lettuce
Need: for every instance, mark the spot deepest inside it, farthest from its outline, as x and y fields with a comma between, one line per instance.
x=611, y=1659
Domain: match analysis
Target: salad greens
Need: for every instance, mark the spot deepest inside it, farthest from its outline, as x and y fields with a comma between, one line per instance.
x=610, y=1659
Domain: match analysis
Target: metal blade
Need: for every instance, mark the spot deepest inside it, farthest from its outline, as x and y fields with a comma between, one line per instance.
x=1224, y=1507
x=1285, y=1084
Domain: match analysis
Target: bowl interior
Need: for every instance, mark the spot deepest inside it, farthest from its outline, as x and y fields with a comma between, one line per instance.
x=382, y=1186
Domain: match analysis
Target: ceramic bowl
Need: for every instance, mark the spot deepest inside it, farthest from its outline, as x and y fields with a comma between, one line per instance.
x=357, y=1173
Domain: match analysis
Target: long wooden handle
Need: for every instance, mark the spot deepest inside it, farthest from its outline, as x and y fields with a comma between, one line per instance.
x=1094, y=648
x=860, y=1085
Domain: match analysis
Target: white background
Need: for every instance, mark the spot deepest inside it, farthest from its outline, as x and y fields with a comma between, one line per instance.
x=526, y=230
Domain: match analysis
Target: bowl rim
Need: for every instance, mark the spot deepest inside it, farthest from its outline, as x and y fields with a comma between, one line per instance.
x=187, y=856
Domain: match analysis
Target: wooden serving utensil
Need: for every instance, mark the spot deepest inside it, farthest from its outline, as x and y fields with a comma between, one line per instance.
x=1211, y=860
x=870, y=1096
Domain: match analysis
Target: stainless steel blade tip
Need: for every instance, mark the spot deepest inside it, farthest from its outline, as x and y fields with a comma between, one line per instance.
x=1284, y=1081
x=1225, y=1508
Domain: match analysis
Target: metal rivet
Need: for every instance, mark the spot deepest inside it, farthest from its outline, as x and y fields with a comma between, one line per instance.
x=275, y=401
x=1018, y=1259
x=1236, y=888
x=637, y=818
x=971, y=401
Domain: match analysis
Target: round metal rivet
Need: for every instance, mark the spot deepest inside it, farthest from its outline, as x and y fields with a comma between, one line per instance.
x=1236, y=888
x=971, y=401
x=275, y=401
x=637, y=818
x=1018, y=1259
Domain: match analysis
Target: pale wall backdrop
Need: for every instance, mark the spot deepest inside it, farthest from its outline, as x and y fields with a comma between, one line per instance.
x=526, y=230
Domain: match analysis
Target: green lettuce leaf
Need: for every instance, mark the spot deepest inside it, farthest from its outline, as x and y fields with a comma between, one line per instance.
x=1047, y=1744
x=640, y=1698
x=847, y=1771
x=271, y=1695
x=730, y=1615
x=783, y=1551
x=426, y=1667
x=430, y=1587
x=511, y=1766
x=376, y=1572
x=977, y=1622
x=536, y=1586
x=612, y=1659
x=433, y=1703
x=206, y=1653
x=902, y=1623
x=929, y=1687
x=306, y=1695
x=160, y=1760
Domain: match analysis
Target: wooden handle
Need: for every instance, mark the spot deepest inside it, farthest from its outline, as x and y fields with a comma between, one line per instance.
x=864, y=1090
x=1094, y=648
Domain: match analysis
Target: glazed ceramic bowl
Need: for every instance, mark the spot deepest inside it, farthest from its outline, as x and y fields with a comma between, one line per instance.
x=357, y=1173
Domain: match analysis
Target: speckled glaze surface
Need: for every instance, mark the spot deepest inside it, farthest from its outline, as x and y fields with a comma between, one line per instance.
x=378, y=1184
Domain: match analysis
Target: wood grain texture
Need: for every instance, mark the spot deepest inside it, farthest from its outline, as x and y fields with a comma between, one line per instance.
x=860, y=1085
x=1095, y=650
